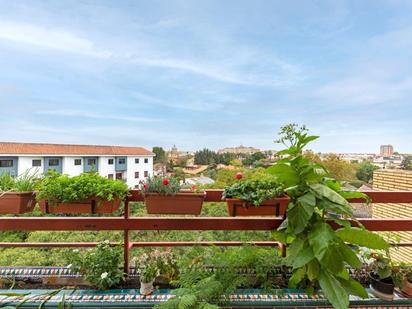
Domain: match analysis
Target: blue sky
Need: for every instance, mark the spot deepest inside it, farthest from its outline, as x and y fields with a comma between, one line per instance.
x=206, y=73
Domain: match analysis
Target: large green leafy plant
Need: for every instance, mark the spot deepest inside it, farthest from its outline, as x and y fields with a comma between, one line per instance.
x=22, y=183
x=58, y=188
x=318, y=255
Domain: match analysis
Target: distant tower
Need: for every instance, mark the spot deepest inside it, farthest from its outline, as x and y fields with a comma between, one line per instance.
x=386, y=150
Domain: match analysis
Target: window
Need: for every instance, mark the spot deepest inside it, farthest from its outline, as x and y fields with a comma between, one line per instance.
x=137, y=160
x=119, y=176
x=146, y=174
x=122, y=161
x=36, y=163
x=136, y=174
x=54, y=162
x=110, y=176
x=146, y=160
x=77, y=161
x=6, y=163
x=110, y=161
x=91, y=161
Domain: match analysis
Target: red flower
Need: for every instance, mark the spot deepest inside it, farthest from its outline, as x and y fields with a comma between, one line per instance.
x=146, y=186
x=166, y=182
x=239, y=176
x=193, y=188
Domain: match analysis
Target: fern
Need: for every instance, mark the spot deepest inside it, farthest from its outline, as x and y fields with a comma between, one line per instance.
x=187, y=301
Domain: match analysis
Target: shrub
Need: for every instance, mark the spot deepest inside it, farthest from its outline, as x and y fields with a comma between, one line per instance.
x=23, y=183
x=161, y=185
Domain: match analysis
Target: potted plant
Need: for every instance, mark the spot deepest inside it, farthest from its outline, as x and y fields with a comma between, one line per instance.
x=402, y=275
x=100, y=266
x=154, y=264
x=85, y=193
x=17, y=194
x=320, y=246
x=165, y=195
x=260, y=197
x=381, y=275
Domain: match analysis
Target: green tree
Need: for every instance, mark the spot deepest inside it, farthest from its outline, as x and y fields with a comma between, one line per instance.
x=406, y=163
x=365, y=171
x=206, y=157
x=160, y=155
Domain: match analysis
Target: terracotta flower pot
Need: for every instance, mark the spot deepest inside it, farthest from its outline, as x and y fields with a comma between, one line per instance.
x=273, y=207
x=179, y=204
x=407, y=287
x=17, y=202
x=91, y=206
x=146, y=288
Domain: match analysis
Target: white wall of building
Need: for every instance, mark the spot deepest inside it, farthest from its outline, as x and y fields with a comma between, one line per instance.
x=25, y=164
x=105, y=168
x=141, y=167
x=70, y=168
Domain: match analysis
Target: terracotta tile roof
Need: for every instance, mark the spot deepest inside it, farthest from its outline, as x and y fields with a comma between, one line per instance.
x=64, y=149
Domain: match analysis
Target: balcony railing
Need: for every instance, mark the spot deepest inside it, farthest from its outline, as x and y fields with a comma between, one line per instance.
x=126, y=223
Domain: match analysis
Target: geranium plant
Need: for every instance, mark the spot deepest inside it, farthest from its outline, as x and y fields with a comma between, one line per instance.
x=161, y=185
x=318, y=255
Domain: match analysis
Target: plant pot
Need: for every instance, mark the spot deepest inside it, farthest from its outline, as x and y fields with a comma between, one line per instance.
x=89, y=206
x=146, y=288
x=381, y=288
x=17, y=202
x=273, y=207
x=179, y=204
x=406, y=287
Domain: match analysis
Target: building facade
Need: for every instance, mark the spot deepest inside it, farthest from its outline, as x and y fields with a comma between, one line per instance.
x=386, y=150
x=239, y=150
x=130, y=164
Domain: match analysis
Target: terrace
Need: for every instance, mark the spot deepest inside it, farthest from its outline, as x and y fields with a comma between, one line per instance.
x=127, y=223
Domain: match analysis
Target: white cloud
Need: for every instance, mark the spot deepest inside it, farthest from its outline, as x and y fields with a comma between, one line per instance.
x=242, y=71
x=90, y=115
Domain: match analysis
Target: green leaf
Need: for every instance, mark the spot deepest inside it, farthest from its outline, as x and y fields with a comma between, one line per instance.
x=353, y=287
x=187, y=301
x=308, y=199
x=279, y=236
x=355, y=194
x=362, y=237
x=313, y=270
x=285, y=174
x=332, y=259
x=320, y=238
x=297, y=276
x=299, y=215
x=333, y=290
x=303, y=256
x=328, y=193
x=349, y=255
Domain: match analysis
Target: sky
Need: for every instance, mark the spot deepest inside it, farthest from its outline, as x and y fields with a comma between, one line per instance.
x=206, y=73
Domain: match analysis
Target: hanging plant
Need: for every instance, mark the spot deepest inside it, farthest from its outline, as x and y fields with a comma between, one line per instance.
x=318, y=255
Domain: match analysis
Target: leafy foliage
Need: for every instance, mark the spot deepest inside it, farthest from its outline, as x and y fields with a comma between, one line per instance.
x=254, y=191
x=318, y=255
x=101, y=266
x=201, y=288
x=160, y=155
x=365, y=171
x=57, y=188
x=22, y=183
x=406, y=163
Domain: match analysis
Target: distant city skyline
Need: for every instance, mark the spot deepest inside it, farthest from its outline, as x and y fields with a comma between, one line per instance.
x=206, y=73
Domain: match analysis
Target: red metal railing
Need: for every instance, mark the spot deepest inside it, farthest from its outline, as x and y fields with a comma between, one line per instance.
x=127, y=224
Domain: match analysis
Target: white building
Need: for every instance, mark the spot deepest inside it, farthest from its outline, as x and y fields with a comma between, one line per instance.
x=131, y=164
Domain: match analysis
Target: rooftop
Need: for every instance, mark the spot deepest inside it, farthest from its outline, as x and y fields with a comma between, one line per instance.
x=10, y=148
